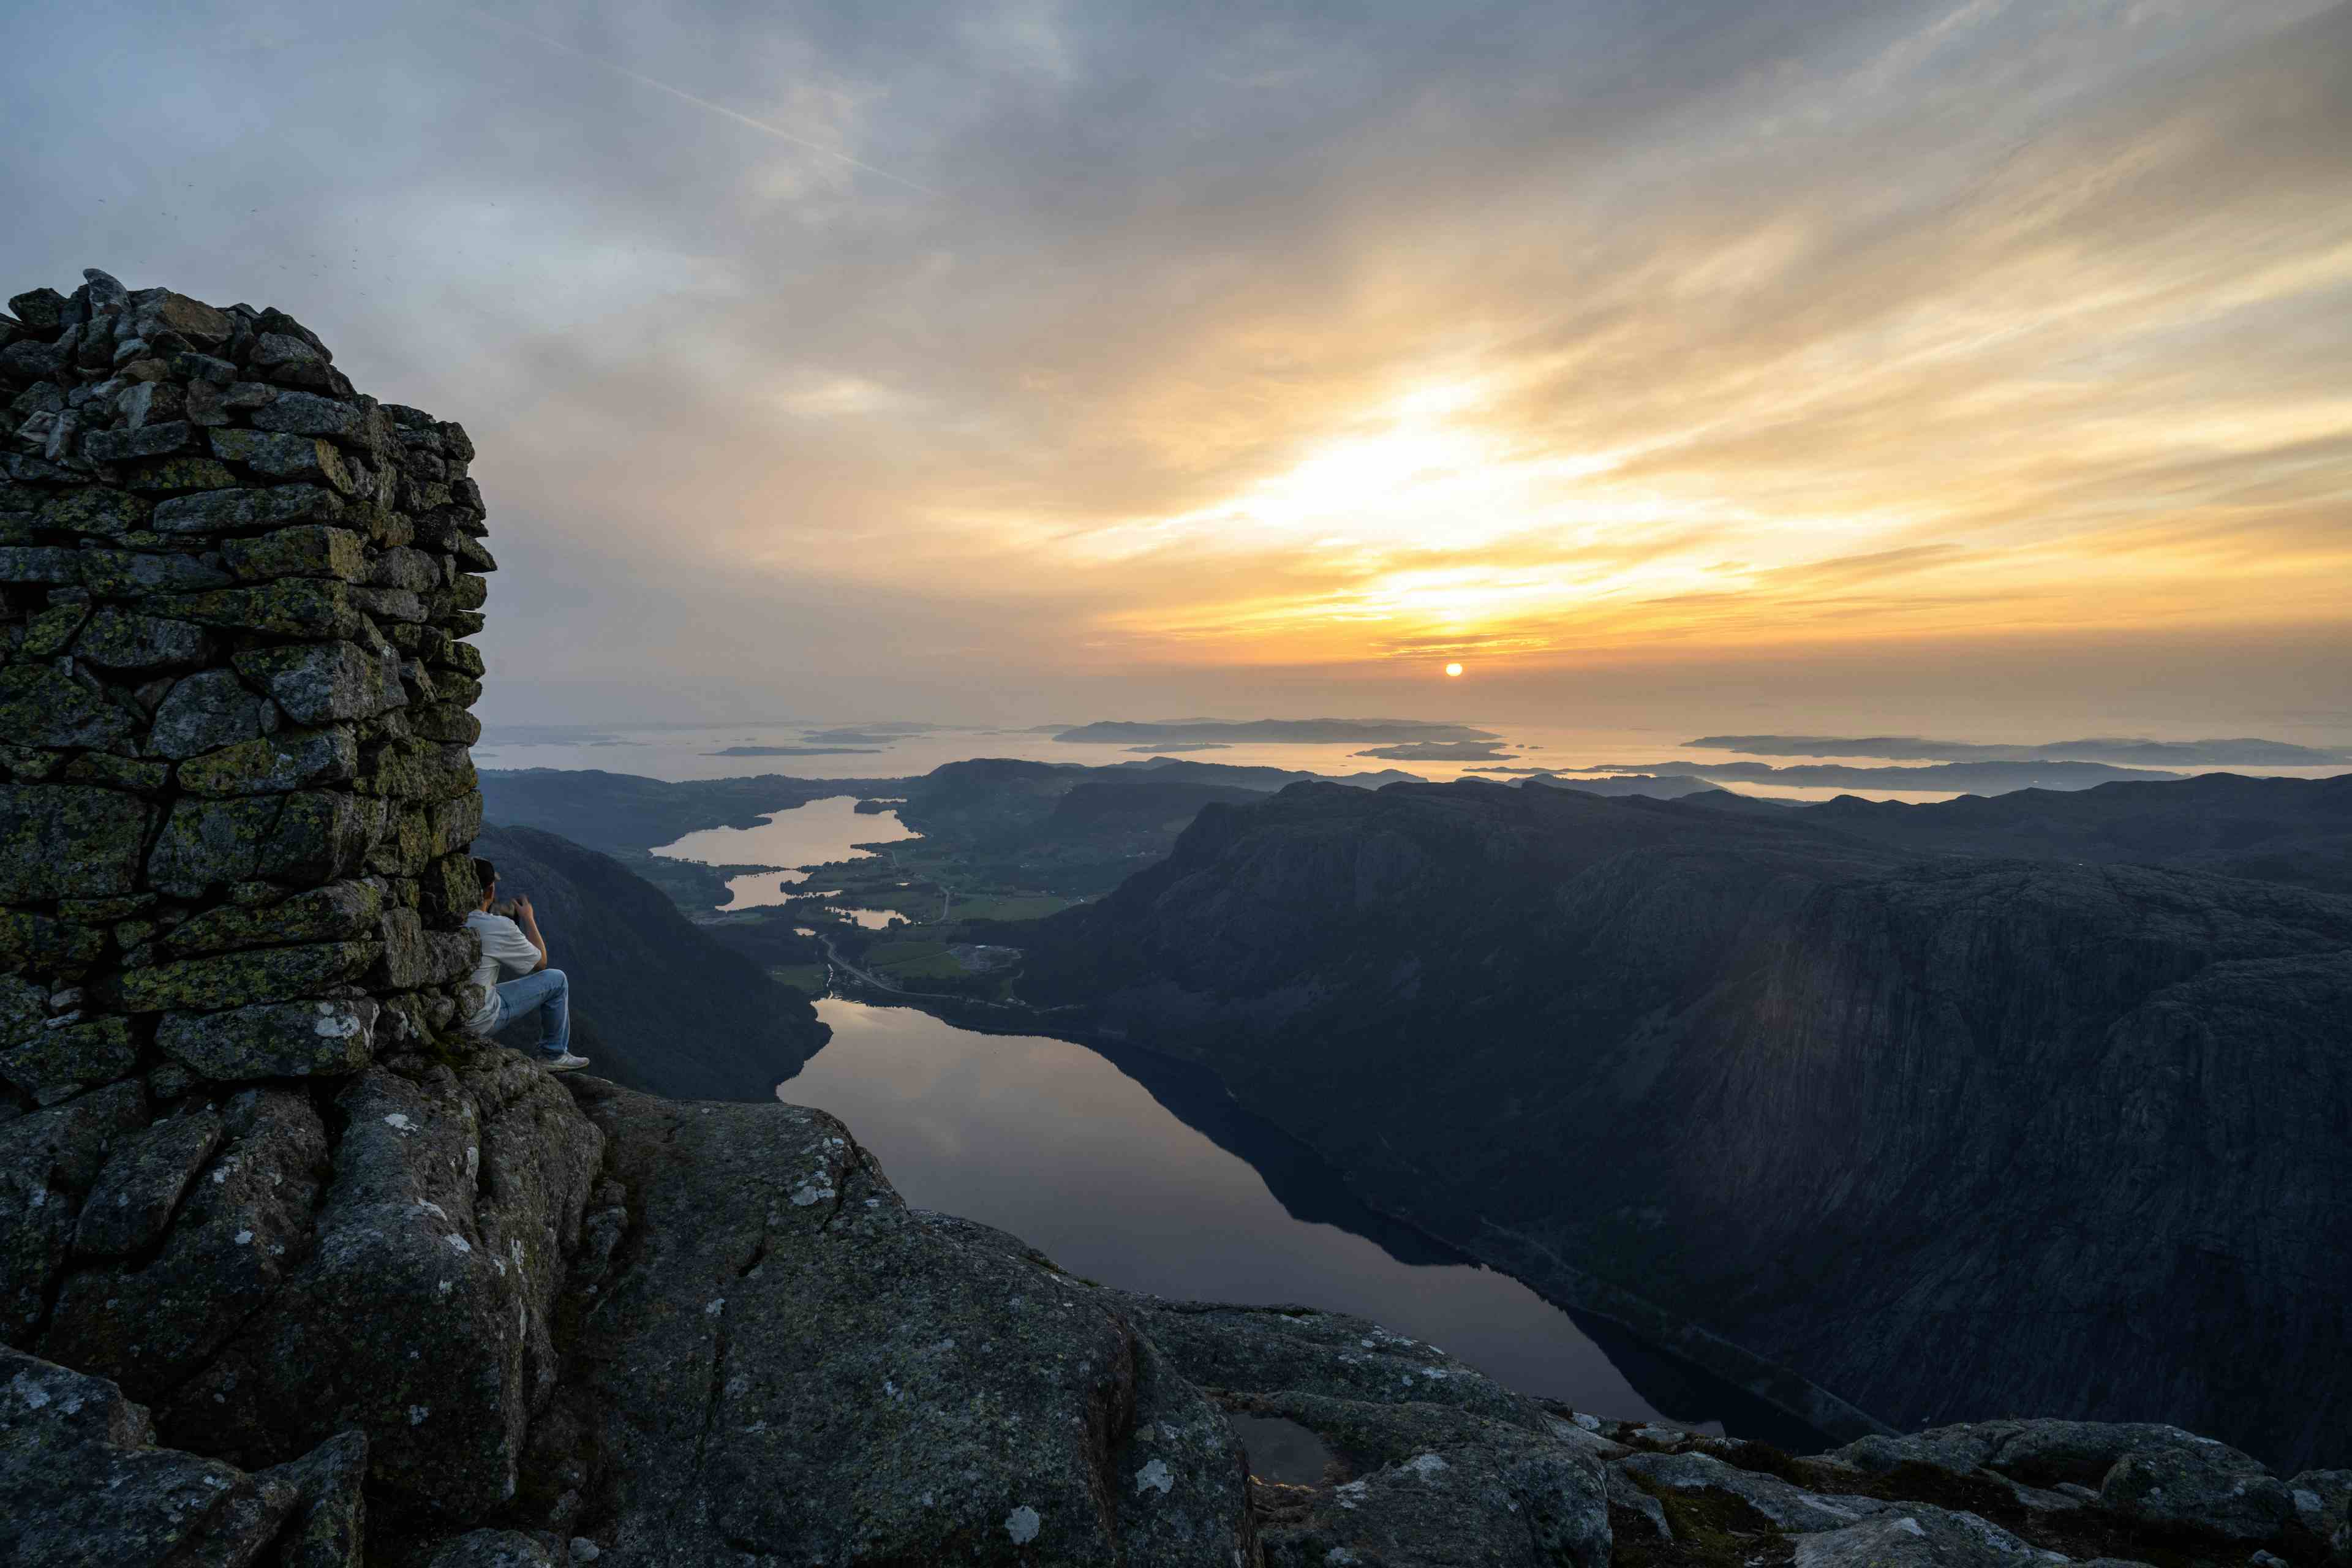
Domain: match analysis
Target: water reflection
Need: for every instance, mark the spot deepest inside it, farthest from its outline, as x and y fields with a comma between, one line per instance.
x=1054, y=1143
x=817, y=834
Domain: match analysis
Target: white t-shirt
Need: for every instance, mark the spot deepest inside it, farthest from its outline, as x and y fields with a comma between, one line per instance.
x=504, y=948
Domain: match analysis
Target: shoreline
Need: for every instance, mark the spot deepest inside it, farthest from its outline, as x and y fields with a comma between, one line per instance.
x=1557, y=1282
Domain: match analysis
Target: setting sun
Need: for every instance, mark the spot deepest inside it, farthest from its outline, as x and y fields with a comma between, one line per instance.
x=1453, y=670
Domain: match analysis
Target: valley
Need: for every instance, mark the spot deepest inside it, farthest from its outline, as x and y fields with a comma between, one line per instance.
x=1170, y=915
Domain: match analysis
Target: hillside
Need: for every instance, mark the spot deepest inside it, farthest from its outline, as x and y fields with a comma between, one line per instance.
x=667, y=1010
x=1804, y=1092
x=623, y=811
x=2280, y=830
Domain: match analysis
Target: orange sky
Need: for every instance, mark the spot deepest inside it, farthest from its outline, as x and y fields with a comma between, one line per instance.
x=1057, y=355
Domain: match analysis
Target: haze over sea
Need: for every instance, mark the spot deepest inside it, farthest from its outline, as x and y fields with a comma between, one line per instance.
x=681, y=753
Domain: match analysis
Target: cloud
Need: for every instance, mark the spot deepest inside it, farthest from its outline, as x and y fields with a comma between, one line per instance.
x=1019, y=346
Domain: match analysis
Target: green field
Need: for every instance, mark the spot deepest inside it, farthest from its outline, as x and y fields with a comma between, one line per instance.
x=914, y=961
x=806, y=978
x=1010, y=906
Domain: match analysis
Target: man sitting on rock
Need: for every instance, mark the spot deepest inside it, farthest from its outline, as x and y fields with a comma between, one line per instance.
x=515, y=945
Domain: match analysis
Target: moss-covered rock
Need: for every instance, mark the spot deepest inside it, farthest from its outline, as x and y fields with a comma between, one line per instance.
x=336, y=912
x=69, y=840
x=57, y=1063
x=99, y=511
x=463, y=658
x=133, y=573
x=444, y=722
x=52, y=631
x=41, y=564
x=110, y=771
x=279, y=1039
x=29, y=937
x=124, y=640
x=325, y=682
x=284, y=456
x=227, y=511
x=419, y=770
x=312, y=549
x=177, y=475
x=312, y=836
x=239, y=979
x=41, y=705
x=269, y=764
x=448, y=891
x=205, y=711
x=295, y=607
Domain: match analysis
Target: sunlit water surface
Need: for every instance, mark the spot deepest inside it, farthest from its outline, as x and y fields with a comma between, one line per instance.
x=817, y=834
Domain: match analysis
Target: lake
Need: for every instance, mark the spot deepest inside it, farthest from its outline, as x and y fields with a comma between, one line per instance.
x=1141, y=1173
x=817, y=834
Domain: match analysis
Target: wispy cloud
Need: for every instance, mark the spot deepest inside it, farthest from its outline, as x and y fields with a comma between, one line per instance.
x=1030, y=345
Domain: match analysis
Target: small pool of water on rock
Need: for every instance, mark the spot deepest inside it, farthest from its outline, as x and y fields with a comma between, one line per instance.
x=1281, y=1450
x=1145, y=1174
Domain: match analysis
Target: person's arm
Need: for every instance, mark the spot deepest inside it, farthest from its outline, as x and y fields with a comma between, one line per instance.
x=529, y=924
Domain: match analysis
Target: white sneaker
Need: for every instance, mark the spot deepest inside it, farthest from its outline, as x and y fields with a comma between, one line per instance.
x=565, y=1063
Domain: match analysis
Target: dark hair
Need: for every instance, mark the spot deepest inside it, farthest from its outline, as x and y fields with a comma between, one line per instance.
x=484, y=873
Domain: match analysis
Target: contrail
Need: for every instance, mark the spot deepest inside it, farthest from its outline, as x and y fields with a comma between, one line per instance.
x=720, y=108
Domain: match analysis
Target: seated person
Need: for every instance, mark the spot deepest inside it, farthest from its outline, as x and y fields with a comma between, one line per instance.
x=512, y=944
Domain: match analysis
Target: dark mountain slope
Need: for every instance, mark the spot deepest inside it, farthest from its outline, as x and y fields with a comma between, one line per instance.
x=2081, y=1130
x=668, y=1010
x=1135, y=805
x=622, y=811
x=2283, y=830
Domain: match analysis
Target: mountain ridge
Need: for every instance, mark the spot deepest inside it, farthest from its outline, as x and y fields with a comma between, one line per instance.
x=1631, y=990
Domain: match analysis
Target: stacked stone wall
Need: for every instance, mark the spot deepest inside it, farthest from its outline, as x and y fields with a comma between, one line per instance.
x=235, y=788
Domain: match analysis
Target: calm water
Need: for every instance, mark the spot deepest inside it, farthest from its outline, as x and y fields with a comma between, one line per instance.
x=1114, y=1177
x=817, y=834
x=678, y=754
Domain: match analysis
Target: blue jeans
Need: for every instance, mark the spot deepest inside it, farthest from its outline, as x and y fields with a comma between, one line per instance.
x=548, y=993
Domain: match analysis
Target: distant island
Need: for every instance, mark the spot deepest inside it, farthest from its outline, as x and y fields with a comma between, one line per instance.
x=1163, y=734
x=1441, y=752
x=848, y=738
x=1656, y=786
x=1184, y=746
x=2243, y=752
x=795, y=752
x=1978, y=778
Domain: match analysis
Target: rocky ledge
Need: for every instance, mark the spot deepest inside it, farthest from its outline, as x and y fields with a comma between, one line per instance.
x=540, y=1328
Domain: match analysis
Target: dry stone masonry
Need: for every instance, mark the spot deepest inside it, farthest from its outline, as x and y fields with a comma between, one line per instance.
x=233, y=718
x=236, y=799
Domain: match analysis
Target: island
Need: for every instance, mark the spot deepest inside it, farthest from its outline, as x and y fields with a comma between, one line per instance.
x=1161, y=734
x=2240, y=752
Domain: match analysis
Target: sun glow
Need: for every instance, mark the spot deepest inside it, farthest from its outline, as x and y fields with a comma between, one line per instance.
x=1453, y=670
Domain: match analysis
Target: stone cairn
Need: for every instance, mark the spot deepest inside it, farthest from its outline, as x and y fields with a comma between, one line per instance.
x=233, y=718
x=252, y=1173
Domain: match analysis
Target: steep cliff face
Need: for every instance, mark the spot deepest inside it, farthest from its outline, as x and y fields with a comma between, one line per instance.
x=2079, y=1128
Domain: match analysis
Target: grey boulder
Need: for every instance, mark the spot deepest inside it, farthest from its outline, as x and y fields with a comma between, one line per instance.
x=82, y=1483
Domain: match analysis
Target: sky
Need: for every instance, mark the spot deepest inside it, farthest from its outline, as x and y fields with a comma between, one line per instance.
x=1974, y=366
